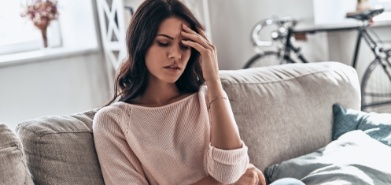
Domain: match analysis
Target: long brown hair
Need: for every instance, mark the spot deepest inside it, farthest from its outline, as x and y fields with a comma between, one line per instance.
x=132, y=78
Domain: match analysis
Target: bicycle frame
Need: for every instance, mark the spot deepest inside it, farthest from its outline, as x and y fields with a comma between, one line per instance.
x=289, y=46
x=381, y=58
x=376, y=50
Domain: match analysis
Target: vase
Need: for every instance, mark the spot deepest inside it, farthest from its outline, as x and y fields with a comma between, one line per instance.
x=43, y=25
x=362, y=5
x=44, y=37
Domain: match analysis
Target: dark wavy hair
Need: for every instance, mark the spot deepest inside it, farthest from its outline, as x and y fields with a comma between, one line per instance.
x=132, y=77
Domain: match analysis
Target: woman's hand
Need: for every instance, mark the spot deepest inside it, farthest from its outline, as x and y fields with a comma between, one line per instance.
x=208, y=60
x=252, y=176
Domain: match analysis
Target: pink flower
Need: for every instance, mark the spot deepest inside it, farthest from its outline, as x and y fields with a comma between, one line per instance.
x=41, y=12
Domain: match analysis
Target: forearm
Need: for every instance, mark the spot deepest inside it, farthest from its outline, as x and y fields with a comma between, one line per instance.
x=224, y=131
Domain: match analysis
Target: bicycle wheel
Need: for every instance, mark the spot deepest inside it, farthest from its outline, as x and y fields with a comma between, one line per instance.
x=376, y=87
x=266, y=58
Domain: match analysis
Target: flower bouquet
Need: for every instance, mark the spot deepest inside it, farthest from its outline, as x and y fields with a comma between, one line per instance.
x=41, y=12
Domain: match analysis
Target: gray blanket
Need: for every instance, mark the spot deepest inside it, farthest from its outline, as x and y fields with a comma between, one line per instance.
x=355, y=158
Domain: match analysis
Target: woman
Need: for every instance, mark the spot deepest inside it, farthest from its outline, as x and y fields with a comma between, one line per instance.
x=172, y=122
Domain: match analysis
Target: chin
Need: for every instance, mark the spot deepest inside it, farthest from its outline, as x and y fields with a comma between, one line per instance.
x=172, y=81
x=169, y=80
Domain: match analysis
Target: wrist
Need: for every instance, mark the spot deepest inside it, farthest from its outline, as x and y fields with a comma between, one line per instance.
x=215, y=89
x=215, y=78
x=215, y=83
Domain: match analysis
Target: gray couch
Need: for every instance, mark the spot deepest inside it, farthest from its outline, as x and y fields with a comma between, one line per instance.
x=282, y=112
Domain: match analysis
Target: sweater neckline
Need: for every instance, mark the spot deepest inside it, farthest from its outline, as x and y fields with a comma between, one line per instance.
x=159, y=107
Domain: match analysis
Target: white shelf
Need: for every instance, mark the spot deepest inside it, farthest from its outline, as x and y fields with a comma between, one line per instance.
x=43, y=55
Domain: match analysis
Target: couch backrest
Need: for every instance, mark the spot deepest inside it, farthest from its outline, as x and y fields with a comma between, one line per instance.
x=282, y=112
x=286, y=111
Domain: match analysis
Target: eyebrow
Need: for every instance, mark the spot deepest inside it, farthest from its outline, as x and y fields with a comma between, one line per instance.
x=164, y=35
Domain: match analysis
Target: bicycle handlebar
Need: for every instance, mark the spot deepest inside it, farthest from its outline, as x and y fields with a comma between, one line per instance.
x=280, y=22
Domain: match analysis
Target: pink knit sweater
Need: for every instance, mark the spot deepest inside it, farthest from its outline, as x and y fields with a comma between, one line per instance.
x=164, y=145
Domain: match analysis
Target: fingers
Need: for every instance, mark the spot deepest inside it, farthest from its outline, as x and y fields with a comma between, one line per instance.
x=261, y=177
x=194, y=45
x=255, y=177
x=195, y=37
x=202, y=33
x=251, y=175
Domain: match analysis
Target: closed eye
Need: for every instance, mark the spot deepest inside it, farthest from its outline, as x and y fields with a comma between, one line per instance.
x=163, y=44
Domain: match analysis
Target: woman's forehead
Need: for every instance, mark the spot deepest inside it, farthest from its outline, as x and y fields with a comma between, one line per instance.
x=172, y=26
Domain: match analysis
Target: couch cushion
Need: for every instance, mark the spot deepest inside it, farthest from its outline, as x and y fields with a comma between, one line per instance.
x=13, y=169
x=284, y=111
x=60, y=149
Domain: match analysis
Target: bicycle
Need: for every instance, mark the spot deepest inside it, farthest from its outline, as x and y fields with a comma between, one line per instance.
x=376, y=80
x=280, y=35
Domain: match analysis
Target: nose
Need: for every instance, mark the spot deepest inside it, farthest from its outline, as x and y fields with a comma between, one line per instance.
x=175, y=52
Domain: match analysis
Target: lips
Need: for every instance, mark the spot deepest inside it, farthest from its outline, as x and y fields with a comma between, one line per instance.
x=172, y=67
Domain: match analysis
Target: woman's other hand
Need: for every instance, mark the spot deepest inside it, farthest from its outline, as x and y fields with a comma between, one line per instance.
x=252, y=176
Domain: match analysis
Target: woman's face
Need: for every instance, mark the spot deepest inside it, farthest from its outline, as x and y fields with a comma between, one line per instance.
x=167, y=57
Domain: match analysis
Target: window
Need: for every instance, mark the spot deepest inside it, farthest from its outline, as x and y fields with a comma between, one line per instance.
x=386, y=15
x=20, y=34
x=385, y=3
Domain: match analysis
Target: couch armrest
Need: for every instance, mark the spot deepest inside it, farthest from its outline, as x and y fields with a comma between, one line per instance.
x=13, y=169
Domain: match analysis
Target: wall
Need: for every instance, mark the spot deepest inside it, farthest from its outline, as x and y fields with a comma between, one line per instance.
x=58, y=81
x=232, y=22
x=58, y=86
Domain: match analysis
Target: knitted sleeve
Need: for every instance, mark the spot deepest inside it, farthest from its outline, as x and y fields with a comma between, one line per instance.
x=227, y=166
x=118, y=163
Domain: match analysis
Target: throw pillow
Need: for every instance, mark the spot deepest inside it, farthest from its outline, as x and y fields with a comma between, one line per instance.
x=376, y=125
